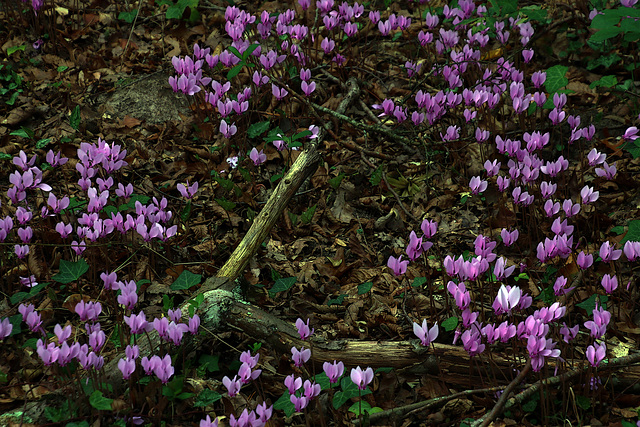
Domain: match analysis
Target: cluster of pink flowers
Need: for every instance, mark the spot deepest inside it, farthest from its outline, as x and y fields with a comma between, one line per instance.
x=416, y=247
x=246, y=374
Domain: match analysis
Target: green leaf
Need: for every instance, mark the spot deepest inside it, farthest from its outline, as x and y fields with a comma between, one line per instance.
x=337, y=300
x=307, y=215
x=55, y=415
x=186, y=280
x=607, y=19
x=14, y=49
x=234, y=51
x=603, y=60
x=74, y=119
x=590, y=303
x=282, y=285
x=70, y=271
x=530, y=405
x=376, y=176
x=175, y=11
x=450, y=324
x=77, y=424
x=419, y=281
x=633, y=148
x=605, y=34
x=206, y=397
x=43, y=143
x=128, y=17
x=99, y=402
x=617, y=230
x=284, y=404
x=634, y=232
x=583, y=402
x=534, y=13
x=23, y=132
x=21, y=296
x=248, y=51
x=62, y=68
x=605, y=81
x=323, y=380
x=225, y=204
x=349, y=390
x=186, y=211
x=209, y=362
x=12, y=99
x=16, y=321
x=556, y=79
x=336, y=181
x=300, y=135
x=235, y=70
x=364, y=288
x=360, y=408
x=257, y=129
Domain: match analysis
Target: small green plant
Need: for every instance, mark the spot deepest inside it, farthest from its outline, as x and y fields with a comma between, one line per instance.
x=11, y=84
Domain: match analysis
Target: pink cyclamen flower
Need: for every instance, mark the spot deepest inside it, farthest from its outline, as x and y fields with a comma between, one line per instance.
x=208, y=423
x=584, y=261
x=300, y=357
x=507, y=299
x=609, y=283
x=233, y=385
x=398, y=266
x=361, y=378
x=163, y=369
x=631, y=250
x=606, y=171
x=127, y=367
x=299, y=402
x=608, y=253
x=588, y=195
x=596, y=354
x=429, y=228
x=595, y=157
x=303, y=329
x=333, y=370
x=188, y=191
x=631, y=134
x=292, y=383
x=472, y=342
x=278, y=92
x=509, y=237
x=308, y=88
x=257, y=157
x=426, y=335
x=477, y=185
x=6, y=327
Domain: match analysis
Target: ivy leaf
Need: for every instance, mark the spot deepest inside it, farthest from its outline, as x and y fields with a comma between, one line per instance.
x=206, y=398
x=186, y=280
x=70, y=271
x=634, y=232
x=74, y=119
x=99, y=402
x=257, y=129
x=337, y=300
x=282, y=285
x=450, y=324
x=364, y=288
x=284, y=404
x=556, y=78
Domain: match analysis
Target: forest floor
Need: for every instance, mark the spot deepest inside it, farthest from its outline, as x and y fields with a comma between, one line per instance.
x=100, y=76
